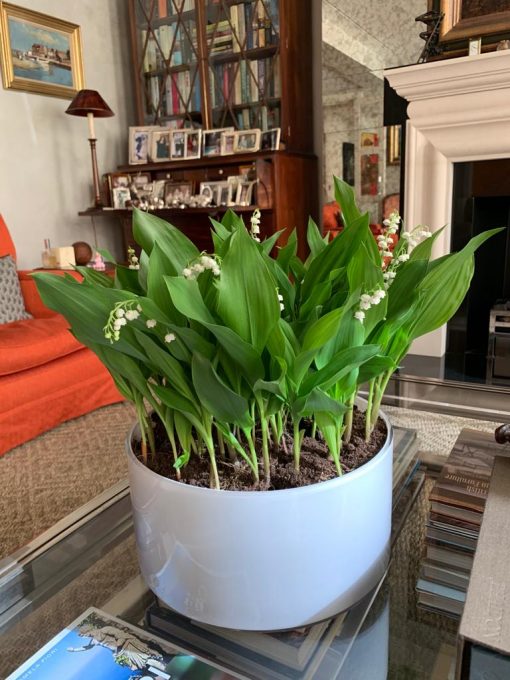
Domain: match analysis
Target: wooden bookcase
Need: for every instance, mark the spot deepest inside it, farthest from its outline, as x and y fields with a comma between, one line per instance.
x=219, y=63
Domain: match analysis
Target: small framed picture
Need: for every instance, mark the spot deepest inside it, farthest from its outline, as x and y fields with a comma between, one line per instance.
x=120, y=197
x=119, y=179
x=177, y=191
x=160, y=145
x=140, y=144
x=208, y=189
x=193, y=139
x=211, y=145
x=244, y=193
x=223, y=193
x=227, y=143
x=158, y=188
x=178, y=148
x=247, y=141
x=141, y=179
x=270, y=139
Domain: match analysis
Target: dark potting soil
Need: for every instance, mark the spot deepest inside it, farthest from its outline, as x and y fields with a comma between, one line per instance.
x=315, y=463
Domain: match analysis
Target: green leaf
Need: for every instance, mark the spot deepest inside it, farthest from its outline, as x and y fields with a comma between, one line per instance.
x=164, y=363
x=375, y=367
x=316, y=401
x=341, y=364
x=247, y=297
x=344, y=196
x=176, y=401
x=187, y=298
x=322, y=330
x=157, y=288
x=287, y=252
x=92, y=276
x=269, y=243
x=128, y=279
x=147, y=229
x=314, y=238
x=106, y=255
x=216, y=397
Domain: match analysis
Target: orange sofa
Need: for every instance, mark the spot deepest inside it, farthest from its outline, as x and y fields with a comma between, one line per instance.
x=46, y=375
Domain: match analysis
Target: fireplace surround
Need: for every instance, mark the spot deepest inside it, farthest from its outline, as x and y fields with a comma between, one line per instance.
x=459, y=110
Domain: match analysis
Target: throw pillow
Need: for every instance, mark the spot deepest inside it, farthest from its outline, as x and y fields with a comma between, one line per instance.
x=12, y=306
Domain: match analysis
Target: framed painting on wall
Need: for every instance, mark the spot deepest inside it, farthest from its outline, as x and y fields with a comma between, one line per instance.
x=348, y=163
x=473, y=18
x=40, y=54
x=393, y=143
x=370, y=174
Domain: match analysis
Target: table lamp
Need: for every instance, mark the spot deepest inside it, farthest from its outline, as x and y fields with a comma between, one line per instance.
x=90, y=103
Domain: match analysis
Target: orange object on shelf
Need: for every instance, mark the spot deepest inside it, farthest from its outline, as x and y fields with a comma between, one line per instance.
x=46, y=375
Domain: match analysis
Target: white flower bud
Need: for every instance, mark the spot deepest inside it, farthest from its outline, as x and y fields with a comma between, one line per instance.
x=151, y=323
x=169, y=337
x=359, y=315
x=186, y=272
x=119, y=313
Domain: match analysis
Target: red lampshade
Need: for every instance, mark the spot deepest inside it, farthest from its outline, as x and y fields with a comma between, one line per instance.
x=89, y=101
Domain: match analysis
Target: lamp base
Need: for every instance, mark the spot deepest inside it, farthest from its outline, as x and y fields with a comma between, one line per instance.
x=98, y=202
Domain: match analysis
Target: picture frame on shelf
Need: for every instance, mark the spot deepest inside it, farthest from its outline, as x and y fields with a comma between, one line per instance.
x=161, y=145
x=178, y=145
x=247, y=141
x=244, y=193
x=158, y=188
x=119, y=179
x=227, y=143
x=193, y=143
x=39, y=53
x=369, y=139
x=176, y=190
x=223, y=193
x=120, y=197
x=211, y=141
x=270, y=139
x=208, y=190
x=140, y=144
x=234, y=181
x=140, y=179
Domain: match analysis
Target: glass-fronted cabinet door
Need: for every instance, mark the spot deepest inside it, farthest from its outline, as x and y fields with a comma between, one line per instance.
x=242, y=41
x=165, y=37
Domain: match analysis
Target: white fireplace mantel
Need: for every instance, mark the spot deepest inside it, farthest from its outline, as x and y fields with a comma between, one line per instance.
x=459, y=110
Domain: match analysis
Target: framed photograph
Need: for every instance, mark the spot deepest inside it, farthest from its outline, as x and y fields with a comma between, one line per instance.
x=247, y=141
x=208, y=189
x=393, y=137
x=120, y=196
x=175, y=191
x=141, y=179
x=119, y=179
x=270, y=139
x=40, y=54
x=244, y=193
x=140, y=144
x=369, y=140
x=178, y=146
x=161, y=144
x=193, y=139
x=158, y=188
x=473, y=18
x=223, y=193
x=348, y=163
x=227, y=143
x=211, y=145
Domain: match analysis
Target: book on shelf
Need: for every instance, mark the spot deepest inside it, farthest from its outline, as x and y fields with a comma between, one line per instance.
x=438, y=573
x=99, y=646
x=440, y=604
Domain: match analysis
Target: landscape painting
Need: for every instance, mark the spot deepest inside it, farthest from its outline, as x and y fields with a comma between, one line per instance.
x=40, y=53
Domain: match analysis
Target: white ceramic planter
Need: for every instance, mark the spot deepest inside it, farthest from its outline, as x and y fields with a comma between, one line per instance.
x=264, y=560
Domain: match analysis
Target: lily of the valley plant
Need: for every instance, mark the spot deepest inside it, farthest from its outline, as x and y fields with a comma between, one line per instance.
x=231, y=349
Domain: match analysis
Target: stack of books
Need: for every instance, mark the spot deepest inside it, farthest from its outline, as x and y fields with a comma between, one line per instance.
x=457, y=502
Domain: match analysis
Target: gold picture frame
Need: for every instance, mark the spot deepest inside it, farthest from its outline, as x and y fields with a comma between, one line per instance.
x=459, y=24
x=52, y=65
x=393, y=143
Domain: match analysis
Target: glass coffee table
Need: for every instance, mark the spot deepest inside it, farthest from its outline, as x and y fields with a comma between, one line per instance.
x=89, y=559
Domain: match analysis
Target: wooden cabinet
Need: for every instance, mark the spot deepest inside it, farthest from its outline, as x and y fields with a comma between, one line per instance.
x=284, y=191
x=219, y=63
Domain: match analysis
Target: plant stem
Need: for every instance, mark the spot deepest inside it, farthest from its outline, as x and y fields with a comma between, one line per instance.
x=215, y=480
x=297, y=445
x=253, y=453
x=382, y=383
x=265, y=438
x=314, y=429
x=348, y=419
x=368, y=412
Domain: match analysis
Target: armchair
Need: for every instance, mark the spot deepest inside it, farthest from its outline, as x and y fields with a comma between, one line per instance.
x=46, y=375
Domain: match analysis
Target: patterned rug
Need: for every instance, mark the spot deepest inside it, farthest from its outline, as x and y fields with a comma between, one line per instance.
x=45, y=479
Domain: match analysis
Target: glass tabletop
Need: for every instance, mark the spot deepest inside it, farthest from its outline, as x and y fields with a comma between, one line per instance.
x=91, y=561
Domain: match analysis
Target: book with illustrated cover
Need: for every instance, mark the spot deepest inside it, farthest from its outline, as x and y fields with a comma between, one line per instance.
x=97, y=646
